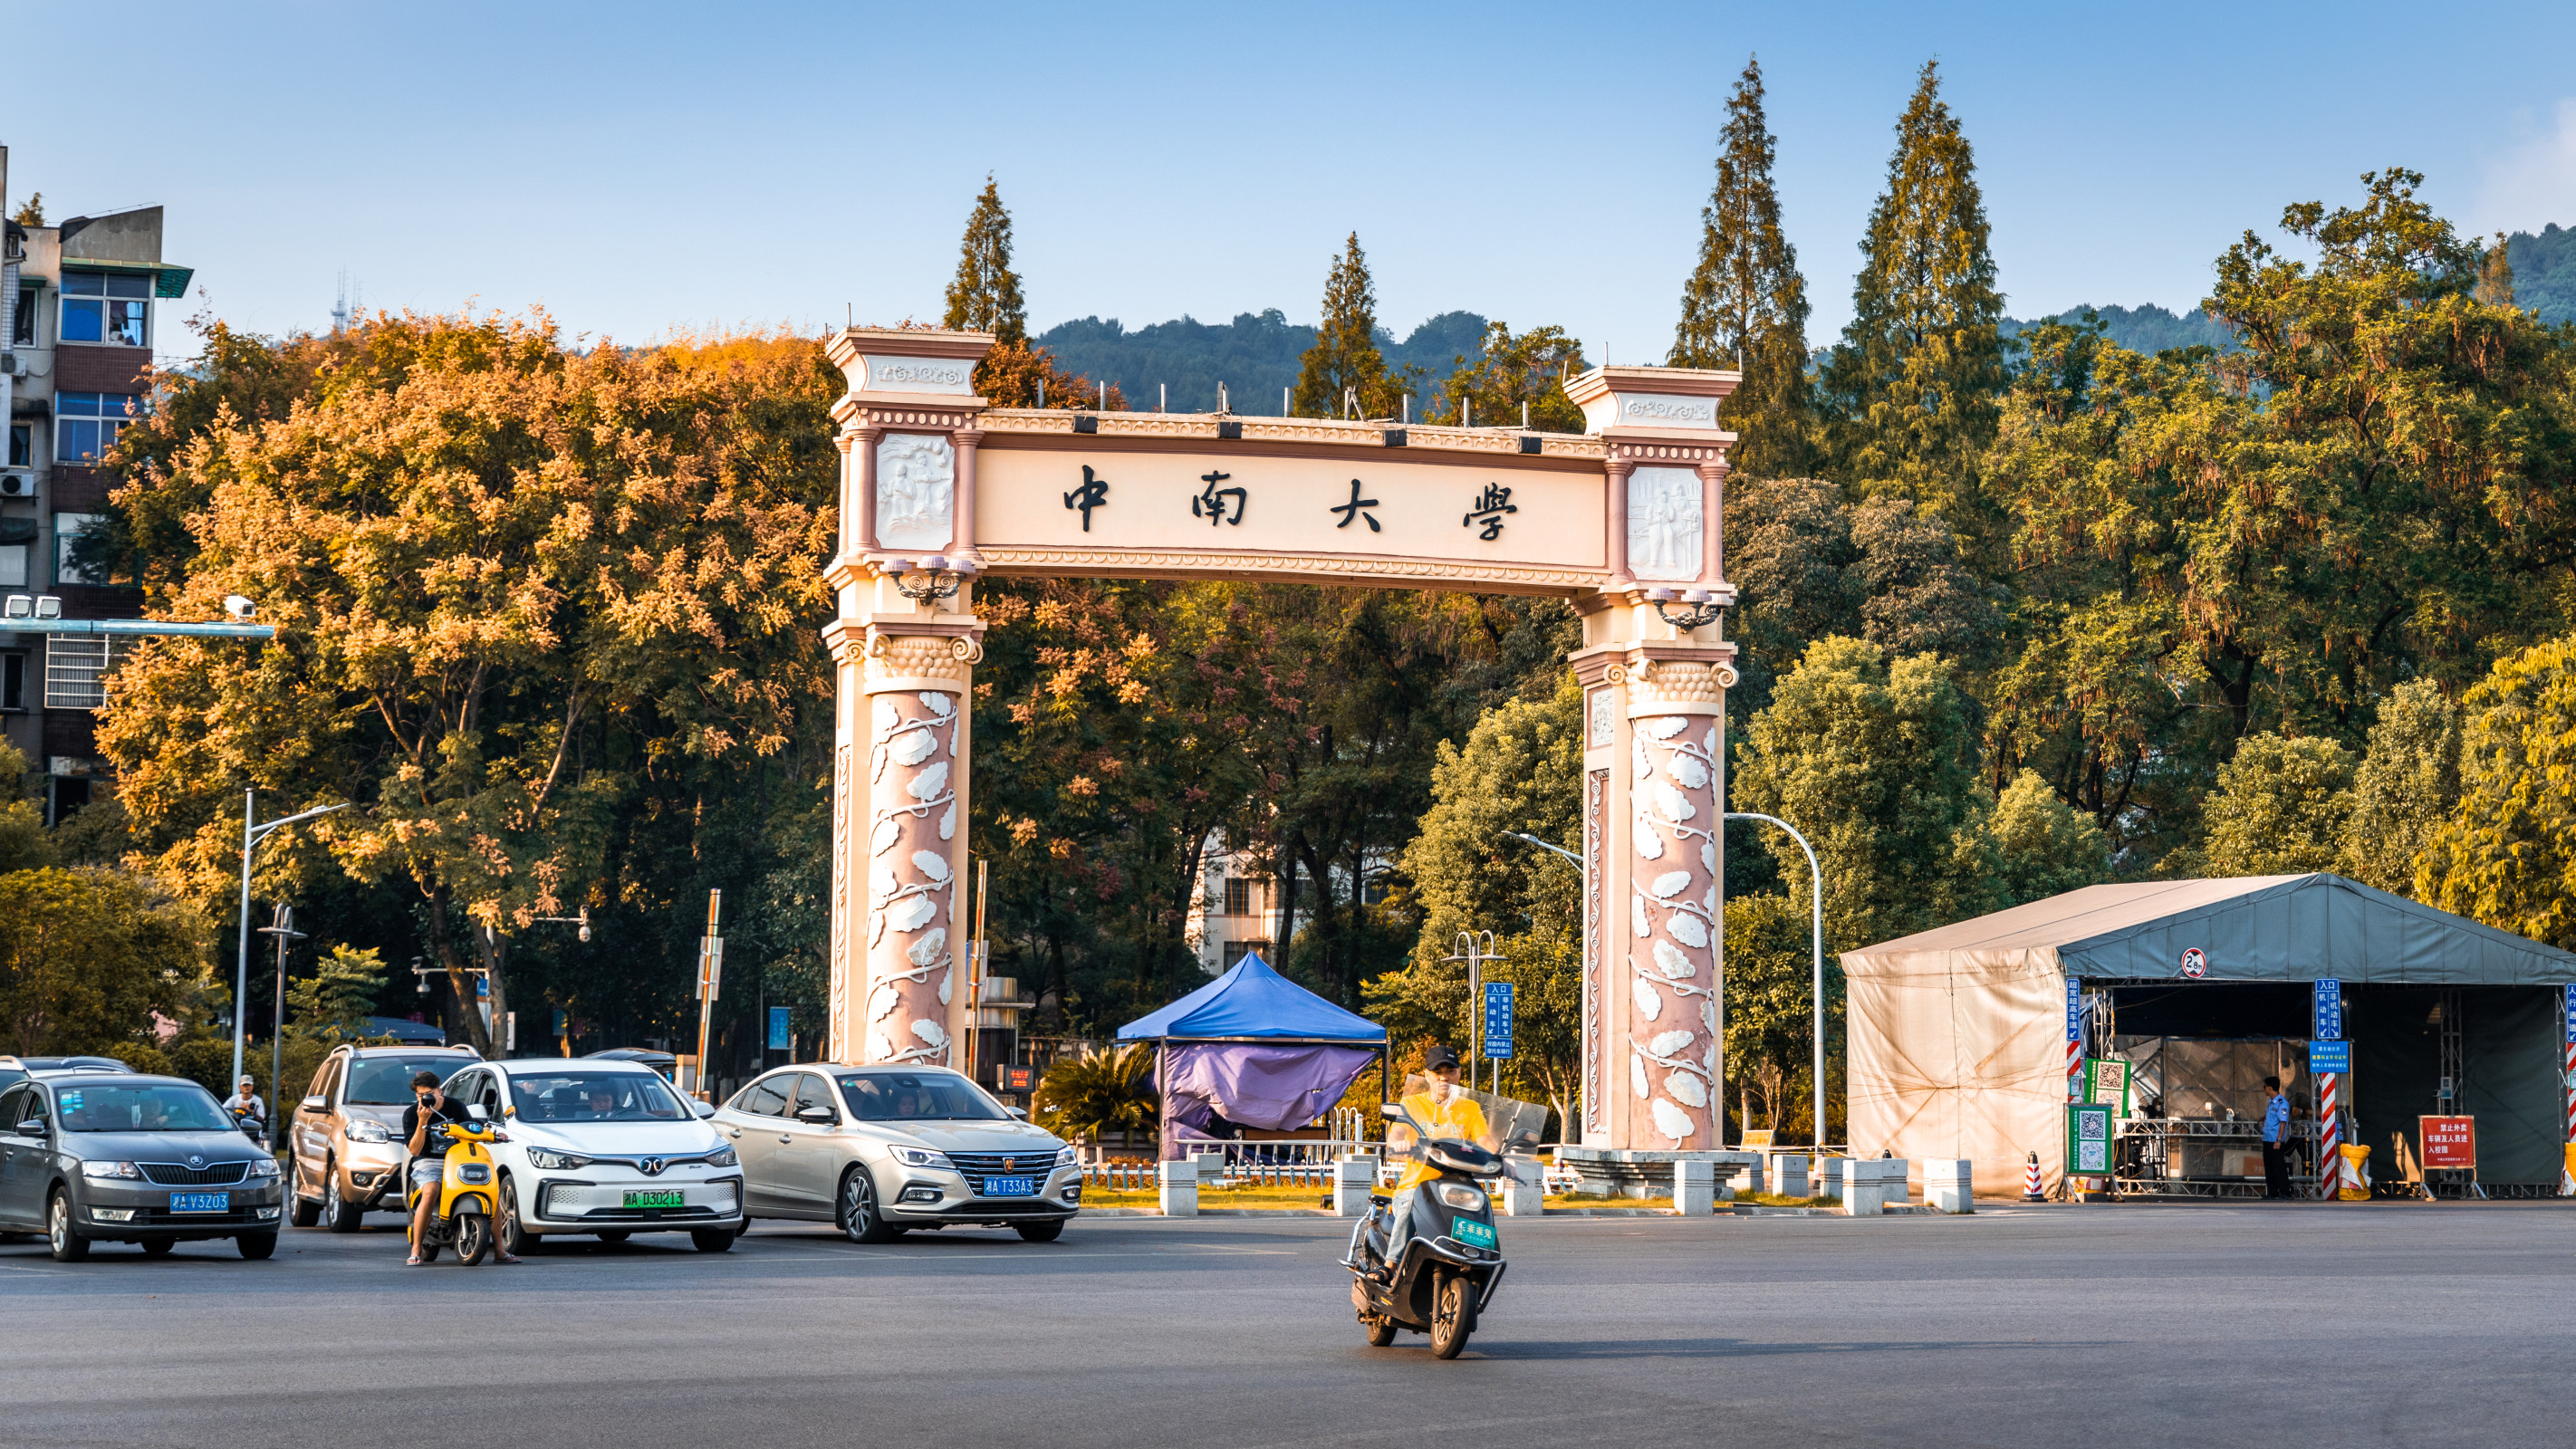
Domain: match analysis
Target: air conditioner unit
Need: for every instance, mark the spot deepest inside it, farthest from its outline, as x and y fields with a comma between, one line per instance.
x=17, y=485
x=12, y=364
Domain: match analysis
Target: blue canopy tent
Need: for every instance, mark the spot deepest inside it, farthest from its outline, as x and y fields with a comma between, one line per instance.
x=1251, y=1049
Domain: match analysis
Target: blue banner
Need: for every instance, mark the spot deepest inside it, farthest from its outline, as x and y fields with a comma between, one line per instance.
x=2330, y=1056
x=2329, y=1026
x=1498, y=1020
x=778, y=1039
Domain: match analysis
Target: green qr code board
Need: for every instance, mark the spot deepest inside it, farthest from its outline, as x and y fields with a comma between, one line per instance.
x=2088, y=1139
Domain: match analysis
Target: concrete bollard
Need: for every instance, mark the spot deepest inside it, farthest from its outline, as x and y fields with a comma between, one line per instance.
x=1949, y=1184
x=1789, y=1174
x=1694, y=1188
x=1521, y=1191
x=1180, y=1189
x=1828, y=1178
x=1870, y=1184
x=1748, y=1179
x=1354, y=1178
x=1210, y=1167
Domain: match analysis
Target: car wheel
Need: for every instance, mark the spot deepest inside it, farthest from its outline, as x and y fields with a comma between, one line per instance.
x=301, y=1211
x=860, y=1217
x=512, y=1237
x=338, y=1213
x=66, y=1241
x=712, y=1240
x=1040, y=1232
x=256, y=1246
x=158, y=1247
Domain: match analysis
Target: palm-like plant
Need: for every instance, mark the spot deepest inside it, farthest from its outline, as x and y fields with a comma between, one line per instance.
x=1100, y=1091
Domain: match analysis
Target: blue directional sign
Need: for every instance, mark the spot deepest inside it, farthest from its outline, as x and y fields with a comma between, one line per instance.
x=778, y=1040
x=2329, y=993
x=2571, y=1011
x=2329, y=1056
x=2074, y=1009
x=1498, y=1020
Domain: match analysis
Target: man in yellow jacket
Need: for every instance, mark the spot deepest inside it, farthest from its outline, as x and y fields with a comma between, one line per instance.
x=1445, y=1111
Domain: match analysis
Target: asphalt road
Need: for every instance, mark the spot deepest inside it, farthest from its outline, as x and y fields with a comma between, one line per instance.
x=2338, y=1325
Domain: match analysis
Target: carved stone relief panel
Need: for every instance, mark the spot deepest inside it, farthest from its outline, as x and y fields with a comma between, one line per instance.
x=916, y=491
x=1670, y=965
x=1664, y=539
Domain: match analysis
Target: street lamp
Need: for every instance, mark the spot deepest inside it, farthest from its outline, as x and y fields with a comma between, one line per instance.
x=1816, y=903
x=927, y=580
x=252, y=835
x=282, y=926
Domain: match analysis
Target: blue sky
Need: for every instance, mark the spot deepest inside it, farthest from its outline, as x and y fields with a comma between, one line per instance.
x=641, y=167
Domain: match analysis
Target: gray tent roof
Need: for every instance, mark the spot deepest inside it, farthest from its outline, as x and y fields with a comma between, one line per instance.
x=2252, y=928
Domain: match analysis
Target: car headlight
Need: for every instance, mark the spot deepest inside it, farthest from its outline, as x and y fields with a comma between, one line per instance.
x=263, y=1167
x=923, y=1157
x=1066, y=1158
x=555, y=1161
x=1460, y=1195
x=111, y=1169
x=369, y=1132
x=724, y=1157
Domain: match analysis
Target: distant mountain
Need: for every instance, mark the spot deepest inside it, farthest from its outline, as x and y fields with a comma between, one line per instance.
x=1255, y=356
x=2544, y=272
x=2149, y=329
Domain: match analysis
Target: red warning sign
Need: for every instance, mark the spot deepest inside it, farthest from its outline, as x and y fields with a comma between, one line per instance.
x=2450, y=1141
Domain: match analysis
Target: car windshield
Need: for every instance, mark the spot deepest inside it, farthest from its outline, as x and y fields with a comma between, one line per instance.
x=150, y=1107
x=386, y=1081
x=578, y=1096
x=916, y=1096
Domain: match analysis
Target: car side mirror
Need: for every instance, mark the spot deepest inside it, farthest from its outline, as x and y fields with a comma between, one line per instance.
x=1020, y=1112
x=477, y=1111
x=32, y=1127
x=703, y=1109
x=817, y=1116
x=314, y=1103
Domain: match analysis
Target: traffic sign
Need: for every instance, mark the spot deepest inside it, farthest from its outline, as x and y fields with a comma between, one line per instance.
x=2195, y=964
x=2449, y=1141
x=2074, y=1009
x=2571, y=1012
x=2329, y=1012
x=1498, y=1020
x=2330, y=1056
x=778, y=1038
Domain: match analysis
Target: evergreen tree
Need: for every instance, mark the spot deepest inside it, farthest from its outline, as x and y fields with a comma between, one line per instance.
x=1746, y=305
x=2406, y=787
x=1914, y=389
x=985, y=297
x=1345, y=359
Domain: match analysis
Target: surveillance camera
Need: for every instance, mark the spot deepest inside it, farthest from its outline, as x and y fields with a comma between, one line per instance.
x=240, y=608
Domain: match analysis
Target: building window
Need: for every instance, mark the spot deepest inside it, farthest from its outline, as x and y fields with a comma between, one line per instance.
x=13, y=565
x=98, y=307
x=1235, y=951
x=1242, y=897
x=13, y=682
x=86, y=424
x=24, y=333
x=68, y=527
x=77, y=668
x=22, y=445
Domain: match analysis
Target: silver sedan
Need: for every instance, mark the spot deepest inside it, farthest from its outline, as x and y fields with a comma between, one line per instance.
x=879, y=1150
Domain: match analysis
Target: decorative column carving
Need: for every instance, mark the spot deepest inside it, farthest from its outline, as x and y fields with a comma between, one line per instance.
x=1670, y=967
x=863, y=535
x=1712, y=476
x=1619, y=469
x=962, y=544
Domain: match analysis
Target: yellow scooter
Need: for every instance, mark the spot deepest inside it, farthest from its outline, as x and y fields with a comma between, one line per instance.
x=466, y=1202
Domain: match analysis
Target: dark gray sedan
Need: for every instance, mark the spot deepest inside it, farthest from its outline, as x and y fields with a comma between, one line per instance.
x=88, y=1156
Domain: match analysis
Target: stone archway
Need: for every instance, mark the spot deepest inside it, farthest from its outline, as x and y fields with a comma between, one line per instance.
x=1618, y=520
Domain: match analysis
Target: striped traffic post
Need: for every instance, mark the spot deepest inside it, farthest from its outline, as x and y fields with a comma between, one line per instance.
x=2329, y=1136
x=2327, y=997
x=2567, y=1170
x=2074, y=1062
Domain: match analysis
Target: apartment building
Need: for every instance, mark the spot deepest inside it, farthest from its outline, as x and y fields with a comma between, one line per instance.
x=1238, y=911
x=80, y=304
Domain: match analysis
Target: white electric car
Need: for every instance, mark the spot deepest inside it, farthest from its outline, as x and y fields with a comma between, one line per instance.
x=605, y=1148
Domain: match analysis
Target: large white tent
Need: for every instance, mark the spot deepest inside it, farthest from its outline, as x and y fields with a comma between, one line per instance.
x=1958, y=1034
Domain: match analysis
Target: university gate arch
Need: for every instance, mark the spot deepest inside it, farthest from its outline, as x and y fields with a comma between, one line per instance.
x=1618, y=520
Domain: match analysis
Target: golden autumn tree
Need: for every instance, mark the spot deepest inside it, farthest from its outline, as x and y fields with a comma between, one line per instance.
x=512, y=583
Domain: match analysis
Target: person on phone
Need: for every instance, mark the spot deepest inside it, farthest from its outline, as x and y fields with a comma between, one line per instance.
x=430, y=1110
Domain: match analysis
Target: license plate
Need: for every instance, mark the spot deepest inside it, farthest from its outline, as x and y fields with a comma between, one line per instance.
x=1010, y=1187
x=201, y=1202
x=1472, y=1232
x=668, y=1198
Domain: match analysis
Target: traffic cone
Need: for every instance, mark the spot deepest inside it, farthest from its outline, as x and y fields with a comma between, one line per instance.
x=2031, y=1189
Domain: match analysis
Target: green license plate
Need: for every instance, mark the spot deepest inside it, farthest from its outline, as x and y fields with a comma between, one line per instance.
x=1472, y=1232
x=667, y=1198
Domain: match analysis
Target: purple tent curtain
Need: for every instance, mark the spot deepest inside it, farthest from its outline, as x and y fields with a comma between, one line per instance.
x=1274, y=1087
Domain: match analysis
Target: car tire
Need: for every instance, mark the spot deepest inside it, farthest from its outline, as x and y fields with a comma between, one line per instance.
x=1040, y=1232
x=338, y=1213
x=64, y=1239
x=712, y=1240
x=158, y=1247
x=301, y=1211
x=512, y=1237
x=857, y=1209
x=256, y=1246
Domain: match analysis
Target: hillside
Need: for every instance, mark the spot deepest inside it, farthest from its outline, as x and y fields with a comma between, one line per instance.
x=2544, y=272
x=1255, y=356
x=2148, y=329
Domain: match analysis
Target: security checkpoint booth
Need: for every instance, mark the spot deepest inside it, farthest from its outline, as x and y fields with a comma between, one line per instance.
x=2441, y=1045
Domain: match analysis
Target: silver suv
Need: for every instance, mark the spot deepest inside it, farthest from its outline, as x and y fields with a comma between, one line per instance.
x=345, y=1136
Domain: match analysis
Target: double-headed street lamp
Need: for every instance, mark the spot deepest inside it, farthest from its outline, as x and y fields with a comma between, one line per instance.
x=252, y=835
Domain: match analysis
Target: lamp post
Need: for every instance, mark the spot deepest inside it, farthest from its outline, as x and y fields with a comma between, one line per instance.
x=1816, y=903
x=282, y=926
x=252, y=835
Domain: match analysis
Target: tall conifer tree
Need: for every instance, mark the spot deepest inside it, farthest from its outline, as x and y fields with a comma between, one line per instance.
x=985, y=297
x=1913, y=391
x=1746, y=305
x=1345, y=356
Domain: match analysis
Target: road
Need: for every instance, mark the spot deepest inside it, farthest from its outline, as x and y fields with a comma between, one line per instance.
x=2340, y=1325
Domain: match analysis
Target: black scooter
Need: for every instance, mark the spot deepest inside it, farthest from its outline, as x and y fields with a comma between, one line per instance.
x=1452, y=1260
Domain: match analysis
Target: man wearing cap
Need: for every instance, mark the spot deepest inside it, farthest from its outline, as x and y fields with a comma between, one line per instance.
x=1444, y=1111
x=248, y=1110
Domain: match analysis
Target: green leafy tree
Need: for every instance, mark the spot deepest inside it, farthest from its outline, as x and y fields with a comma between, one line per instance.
x=2507, y=855
x=1913, y=390
x=1771, y=1013
x=23, y=845
x=2280, y=807
x=1512, y=378
x=335, y=1002
x=2043, y=848
x=1345, y=361
x=1745, y=306
x=31, y=212
x=2405, y=787
x=86, y=956
x=2495, y=276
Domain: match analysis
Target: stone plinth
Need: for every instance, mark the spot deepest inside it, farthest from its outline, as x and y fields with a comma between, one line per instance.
x=1694, y=1187
x=1948, y=1184
x=1873, y=1183
x=1354, y=1178
x=1828, y=1177
x=1751, y=1178
x=1789, y=1174
x=1180, y=1189
x=1643, y=1172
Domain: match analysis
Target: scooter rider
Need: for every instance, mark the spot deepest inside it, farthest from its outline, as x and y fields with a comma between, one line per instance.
x=1444, y=1111
x=248, y=1112
x=430, y=1110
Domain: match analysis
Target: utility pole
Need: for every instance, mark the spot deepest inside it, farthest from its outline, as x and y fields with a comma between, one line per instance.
x=1476, y=952
x=710, y=973
x=975, y=971
x=282, y=926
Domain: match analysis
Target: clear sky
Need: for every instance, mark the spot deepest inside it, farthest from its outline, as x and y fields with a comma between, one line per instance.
x=640, y=167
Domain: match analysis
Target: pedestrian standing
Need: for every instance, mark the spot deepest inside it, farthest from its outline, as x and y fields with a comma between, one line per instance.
x=2276, y=1141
